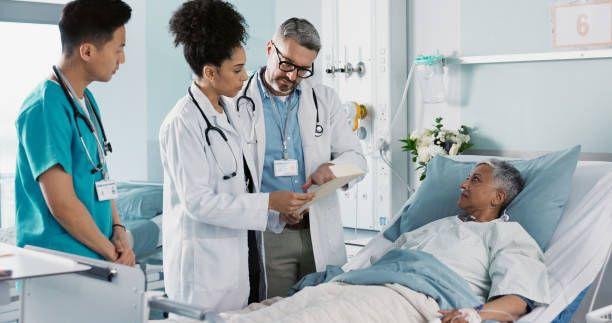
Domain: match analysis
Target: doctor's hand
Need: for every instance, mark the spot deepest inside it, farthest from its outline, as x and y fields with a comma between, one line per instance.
x=322, y=175
x=293, y=218
x=287, y=201
x=125, y=253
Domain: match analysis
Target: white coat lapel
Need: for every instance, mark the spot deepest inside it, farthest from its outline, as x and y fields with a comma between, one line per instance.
x=238, y=123
x=307, y=117
x=260, y=128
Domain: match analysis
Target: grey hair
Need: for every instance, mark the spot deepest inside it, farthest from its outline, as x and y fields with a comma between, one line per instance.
x=506, y=177
x=300, y=30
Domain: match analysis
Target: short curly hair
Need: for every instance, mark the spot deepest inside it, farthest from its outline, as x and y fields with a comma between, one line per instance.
x=209, y=30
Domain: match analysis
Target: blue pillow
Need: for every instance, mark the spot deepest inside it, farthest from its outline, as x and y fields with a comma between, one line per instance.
x=139, y=201
x=538, y=208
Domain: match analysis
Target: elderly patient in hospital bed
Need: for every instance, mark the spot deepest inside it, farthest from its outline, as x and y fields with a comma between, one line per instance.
x=465, y=268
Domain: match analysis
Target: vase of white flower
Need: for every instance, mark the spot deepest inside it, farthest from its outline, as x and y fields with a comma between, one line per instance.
x=425, y=144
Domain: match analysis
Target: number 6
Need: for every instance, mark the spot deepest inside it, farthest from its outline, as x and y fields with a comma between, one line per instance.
x=582, y=25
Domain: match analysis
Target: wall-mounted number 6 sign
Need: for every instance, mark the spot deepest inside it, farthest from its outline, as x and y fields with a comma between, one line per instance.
x=582, y=24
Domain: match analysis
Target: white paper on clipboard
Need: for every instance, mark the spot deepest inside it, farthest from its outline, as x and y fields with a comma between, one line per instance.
x=344, y=174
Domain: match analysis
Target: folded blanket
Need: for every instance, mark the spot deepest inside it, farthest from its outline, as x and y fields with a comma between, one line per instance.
x=338, y=302
x=417, y=270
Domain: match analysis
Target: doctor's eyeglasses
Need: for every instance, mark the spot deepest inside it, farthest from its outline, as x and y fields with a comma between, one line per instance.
x=286, y=66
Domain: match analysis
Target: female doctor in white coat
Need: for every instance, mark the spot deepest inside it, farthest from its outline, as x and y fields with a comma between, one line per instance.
x=210, y=202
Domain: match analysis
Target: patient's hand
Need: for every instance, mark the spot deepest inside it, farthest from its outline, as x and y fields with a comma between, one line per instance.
x=506, y=308
x=452, y=316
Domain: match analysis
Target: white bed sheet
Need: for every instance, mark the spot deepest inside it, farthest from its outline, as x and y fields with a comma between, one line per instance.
x=578, y=250
x=158, y=221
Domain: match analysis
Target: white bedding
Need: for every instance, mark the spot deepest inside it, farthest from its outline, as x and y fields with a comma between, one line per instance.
x=158, y=221
x=578, y=250
x=336, y=302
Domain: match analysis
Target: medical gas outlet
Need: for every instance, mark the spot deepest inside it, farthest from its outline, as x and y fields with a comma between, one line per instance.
x=348, y=69
x=356, y=112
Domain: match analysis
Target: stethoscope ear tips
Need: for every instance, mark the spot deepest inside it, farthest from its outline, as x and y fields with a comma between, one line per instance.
x=96, y=169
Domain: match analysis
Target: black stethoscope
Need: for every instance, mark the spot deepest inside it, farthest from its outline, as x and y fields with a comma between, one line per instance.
x=249, y=101
x=105, y=148
x=209, y=128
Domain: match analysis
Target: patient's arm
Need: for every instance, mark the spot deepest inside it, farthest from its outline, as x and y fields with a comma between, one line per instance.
x=375, y=249
x=510, y=304
x=504, y=309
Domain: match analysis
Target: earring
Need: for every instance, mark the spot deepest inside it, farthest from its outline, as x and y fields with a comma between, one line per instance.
x=505, y=217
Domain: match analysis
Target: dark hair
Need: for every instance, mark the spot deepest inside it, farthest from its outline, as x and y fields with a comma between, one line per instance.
x=209, y=30
x=91, y=21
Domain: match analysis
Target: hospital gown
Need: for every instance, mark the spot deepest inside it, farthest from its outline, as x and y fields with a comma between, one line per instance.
x=495, y=258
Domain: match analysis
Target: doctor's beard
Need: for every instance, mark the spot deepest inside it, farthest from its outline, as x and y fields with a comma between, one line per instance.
x=285, y=85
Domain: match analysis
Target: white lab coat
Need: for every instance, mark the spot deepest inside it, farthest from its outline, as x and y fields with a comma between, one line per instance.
x=206, y=218
x=338, y=144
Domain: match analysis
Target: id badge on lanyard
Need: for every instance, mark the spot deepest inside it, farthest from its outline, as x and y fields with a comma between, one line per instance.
x=106, y=190
x=285, y=167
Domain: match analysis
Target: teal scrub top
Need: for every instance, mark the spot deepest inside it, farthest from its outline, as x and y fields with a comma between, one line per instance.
x=47, y=136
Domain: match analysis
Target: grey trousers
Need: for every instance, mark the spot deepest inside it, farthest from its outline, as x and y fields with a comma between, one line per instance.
x=289, y=257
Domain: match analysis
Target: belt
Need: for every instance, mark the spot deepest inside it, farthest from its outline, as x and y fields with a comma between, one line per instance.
x=302, y=225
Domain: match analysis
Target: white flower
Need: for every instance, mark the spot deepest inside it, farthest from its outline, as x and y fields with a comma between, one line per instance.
x=454, y=149
x=442, y=135
x=435, y=150
x=458, y=139
x=427, y=140
x=423, y=154
x=463, y=138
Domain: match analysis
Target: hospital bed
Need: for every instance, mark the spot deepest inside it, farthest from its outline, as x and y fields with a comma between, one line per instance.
x=578, y=248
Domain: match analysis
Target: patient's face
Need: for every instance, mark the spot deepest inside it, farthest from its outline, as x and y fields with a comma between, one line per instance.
x=478, y=190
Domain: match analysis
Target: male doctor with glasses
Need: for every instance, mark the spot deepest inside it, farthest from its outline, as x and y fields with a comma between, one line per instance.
x=296, y=129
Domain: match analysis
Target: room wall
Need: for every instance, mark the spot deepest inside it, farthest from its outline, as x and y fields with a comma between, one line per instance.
x=433, y=27
x=260, y=16
x=168, y=77
x=531, y=106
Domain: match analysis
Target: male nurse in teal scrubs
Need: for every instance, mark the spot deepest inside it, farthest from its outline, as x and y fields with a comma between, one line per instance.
x=64, y=194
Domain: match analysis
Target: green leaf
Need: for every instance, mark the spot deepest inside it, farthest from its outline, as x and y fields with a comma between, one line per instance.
x=465, y=146
x=422, y=178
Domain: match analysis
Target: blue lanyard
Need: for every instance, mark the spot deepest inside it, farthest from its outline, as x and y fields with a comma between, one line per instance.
x=283, y=130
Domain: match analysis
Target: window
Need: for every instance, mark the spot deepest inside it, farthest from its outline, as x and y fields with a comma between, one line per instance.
x=27, y=54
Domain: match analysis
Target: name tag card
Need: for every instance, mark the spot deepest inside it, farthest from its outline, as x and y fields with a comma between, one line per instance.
x=284, y=167
x=106, y=190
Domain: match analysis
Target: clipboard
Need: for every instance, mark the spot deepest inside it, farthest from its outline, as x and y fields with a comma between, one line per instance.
x=344, y=174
